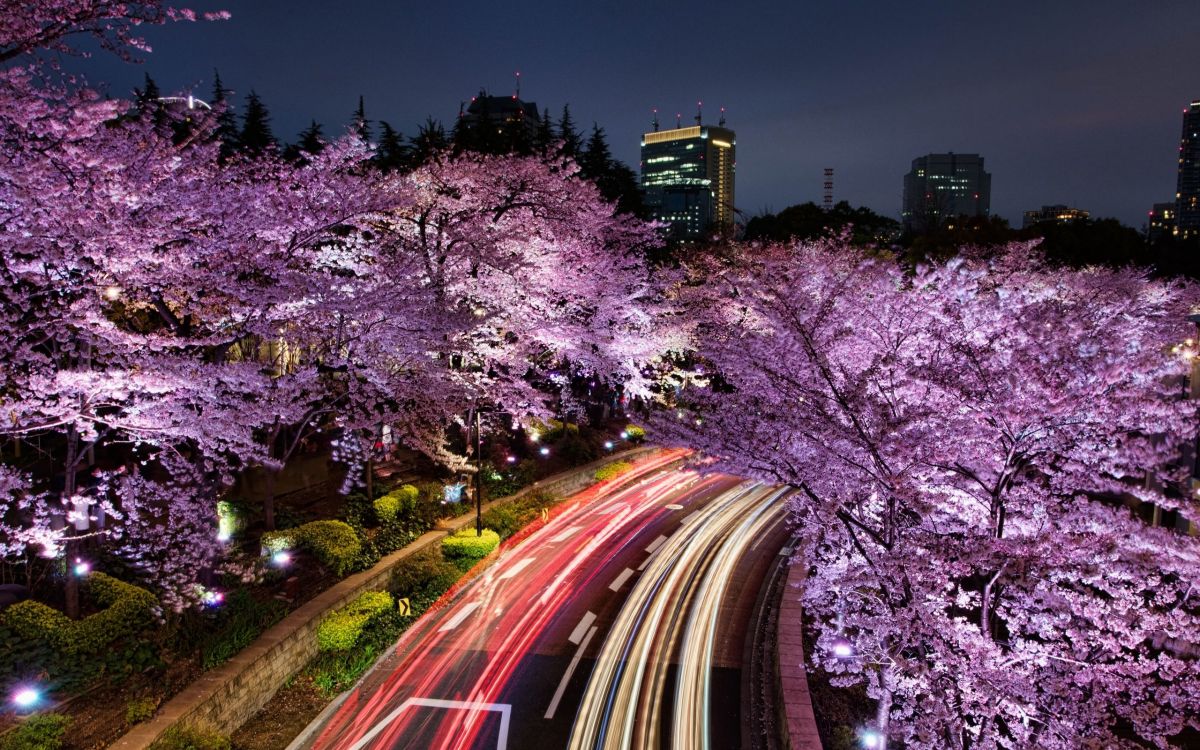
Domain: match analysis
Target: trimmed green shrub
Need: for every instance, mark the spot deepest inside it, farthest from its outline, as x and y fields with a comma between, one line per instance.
x=634, y=433
x=341, y=629
x=139, y=710
x=128, y=610
x=401, y=501
x=422, y=579
x=278, y=541
x=191, y=737
x=613, y=470
x=466, y=544
x=40, y=732
x=334, y=543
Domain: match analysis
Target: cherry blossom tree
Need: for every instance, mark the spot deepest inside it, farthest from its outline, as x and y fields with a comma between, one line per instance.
x=963, y=441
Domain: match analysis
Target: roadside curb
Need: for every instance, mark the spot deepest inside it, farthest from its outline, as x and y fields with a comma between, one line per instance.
x=793, y=677
x=226, y=697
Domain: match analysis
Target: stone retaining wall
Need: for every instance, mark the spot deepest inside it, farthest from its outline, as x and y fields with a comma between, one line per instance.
x=793, y=678
x=226, y=697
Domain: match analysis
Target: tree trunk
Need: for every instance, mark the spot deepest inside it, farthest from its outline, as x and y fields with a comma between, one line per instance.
x=72, y=547
x=269, y=500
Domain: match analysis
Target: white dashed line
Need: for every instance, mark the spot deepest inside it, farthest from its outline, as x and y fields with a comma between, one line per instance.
x=564, y=535
x=562, y=685
x=516, y=568
x=581, y=628
x=621, y=579
x=457, y=620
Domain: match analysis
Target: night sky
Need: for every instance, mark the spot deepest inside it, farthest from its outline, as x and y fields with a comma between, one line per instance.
x=1068, y=102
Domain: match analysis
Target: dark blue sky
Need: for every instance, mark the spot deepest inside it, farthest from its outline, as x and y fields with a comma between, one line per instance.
x=1069, y=102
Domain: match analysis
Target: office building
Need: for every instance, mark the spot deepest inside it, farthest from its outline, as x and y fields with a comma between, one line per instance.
x=687, y=179
x=944, y=186
x=1056, y=214
x=1187, y=195
x=497, y=123
x=1162, y=222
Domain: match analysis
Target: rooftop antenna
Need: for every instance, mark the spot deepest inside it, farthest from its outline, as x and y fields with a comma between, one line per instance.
x=460, y=107
x=678, y=120
x=721, y=122
x=699, y=112
x=655, y=111
x=518, y=76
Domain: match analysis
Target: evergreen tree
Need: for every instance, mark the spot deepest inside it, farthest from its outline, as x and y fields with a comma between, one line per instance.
x=393, y=154
x=596, y=159
x=147, y=99
x=431, y=140
x=227, y=130
x=544, y=136
x=256, y=136
x=311, y=142
x=567, y=133
x=360, y=125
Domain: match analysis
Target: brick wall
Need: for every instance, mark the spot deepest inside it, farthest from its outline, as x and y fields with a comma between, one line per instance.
x=226, y=697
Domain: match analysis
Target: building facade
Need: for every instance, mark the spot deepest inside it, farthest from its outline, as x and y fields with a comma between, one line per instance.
x=1055, y=214
x=1161, y=224
x=943, y=186
x=1187, y=195
x=688, y=179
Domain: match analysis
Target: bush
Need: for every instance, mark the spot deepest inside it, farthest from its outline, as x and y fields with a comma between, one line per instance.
x=191, y=738
x=128, y=610
x=340, y=630
x=334, y=543
x=635, y=434
x=422, y=579
x=399, y=503
x=613, y=470
x=40, y=732
x=239, y=621
x=139, y=710
x=466, y=544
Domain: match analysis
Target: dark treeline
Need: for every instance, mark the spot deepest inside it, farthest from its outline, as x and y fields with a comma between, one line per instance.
x=249, y=133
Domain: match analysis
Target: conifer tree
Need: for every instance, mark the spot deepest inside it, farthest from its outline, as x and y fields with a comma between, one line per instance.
x=596, y=158
x=430, y=141
x=571, y=140
x=256, y=137
x=311, y=143
x=227, y=130
x=360, y=125
x=544, y=136
x=392, y=153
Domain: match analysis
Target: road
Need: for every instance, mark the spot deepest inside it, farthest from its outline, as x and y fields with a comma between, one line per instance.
x=622, y=623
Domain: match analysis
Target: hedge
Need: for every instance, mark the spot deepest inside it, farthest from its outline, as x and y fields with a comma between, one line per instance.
x=41, y=732
x=400, y=500
x=341, y=629
x=128, y=610
x=634, y=433
x=466, y=544
x=613, y=470
x=334, y=543
x=191, y=738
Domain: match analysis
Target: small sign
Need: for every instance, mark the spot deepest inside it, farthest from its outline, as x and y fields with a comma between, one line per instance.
x=545, y=515
x=453, y=493
x=403, y=606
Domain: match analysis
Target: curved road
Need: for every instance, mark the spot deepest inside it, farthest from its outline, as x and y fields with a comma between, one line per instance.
x=620, y=624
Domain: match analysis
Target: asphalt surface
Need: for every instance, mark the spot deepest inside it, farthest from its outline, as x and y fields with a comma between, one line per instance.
x=622, y=623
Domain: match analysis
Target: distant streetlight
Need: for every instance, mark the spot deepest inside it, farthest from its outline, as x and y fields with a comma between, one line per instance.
x=26, y=697
x=82, y=567
x=872, y=740
x=544, y=451
x=608, y=445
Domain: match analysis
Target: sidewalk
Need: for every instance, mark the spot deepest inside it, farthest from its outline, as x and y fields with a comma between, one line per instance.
x=793, y=678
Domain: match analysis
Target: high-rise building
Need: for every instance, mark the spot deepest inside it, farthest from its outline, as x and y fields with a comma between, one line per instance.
x=497, y=123
x=1056, y=214
x=1187, y=195
x=943, y=186
x=687, y=178
x=1162, y=222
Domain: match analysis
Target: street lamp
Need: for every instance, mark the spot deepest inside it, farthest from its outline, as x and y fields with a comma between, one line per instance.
x=26, y=697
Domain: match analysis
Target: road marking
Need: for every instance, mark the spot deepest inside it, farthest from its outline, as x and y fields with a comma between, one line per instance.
x=565, y=535
x=674, y=506
x=621, y=579
x=689, y=517
x=504, y=709
x=516, y=568
x=581, y=628
x=457, y=620
x=785, y=551
x=562, y=685
x=653, y=546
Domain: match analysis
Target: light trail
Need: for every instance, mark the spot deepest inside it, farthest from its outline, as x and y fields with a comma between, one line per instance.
x=673, y=609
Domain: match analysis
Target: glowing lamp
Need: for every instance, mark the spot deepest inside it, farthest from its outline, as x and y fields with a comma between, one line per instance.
x=872, y=739
x=82, y=568
x=842, y=649
x=26, y=697
x=624, y=435
x=608, y=445
x=281, y=558
x=212, y=598
x=112, y=293
x=511, y=459
x=544, y=451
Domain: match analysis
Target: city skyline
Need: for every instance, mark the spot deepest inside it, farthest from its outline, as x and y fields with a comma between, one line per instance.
x=1070, y=107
